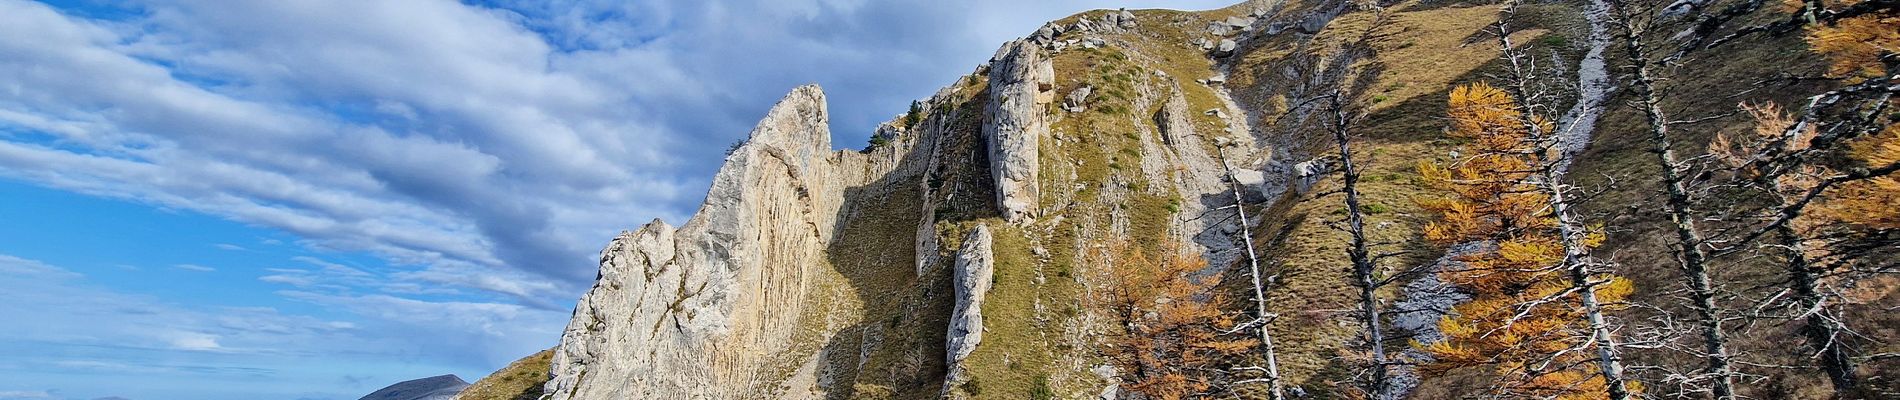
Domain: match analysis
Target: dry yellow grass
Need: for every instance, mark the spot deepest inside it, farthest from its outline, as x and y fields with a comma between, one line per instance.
x=520, y=380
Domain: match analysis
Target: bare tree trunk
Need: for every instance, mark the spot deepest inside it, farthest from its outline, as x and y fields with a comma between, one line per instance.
x=1362, y=265
x=1691, y=258
x=1823, y=331
x=1576, y=255
x=1259, y=287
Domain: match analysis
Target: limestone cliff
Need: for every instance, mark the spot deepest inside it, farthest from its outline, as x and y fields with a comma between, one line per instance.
x=960, y=255
x=698, y=311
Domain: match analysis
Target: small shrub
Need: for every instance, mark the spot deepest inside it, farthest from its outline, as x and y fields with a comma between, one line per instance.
x=1041, y=390
x=915, y=115
x=1554, y=40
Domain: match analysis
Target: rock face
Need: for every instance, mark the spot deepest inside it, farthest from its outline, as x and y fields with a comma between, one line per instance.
x=1018, y=75
x=975, y=266
x=702, y=310
x=432, y=388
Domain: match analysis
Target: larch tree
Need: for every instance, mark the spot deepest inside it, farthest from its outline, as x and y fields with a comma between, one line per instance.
x=1177, y=335
x=1823, y=219
x=1525, y=318
x=1547, y=152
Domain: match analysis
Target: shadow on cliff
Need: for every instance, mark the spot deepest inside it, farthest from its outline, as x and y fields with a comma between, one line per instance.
x=897, y=349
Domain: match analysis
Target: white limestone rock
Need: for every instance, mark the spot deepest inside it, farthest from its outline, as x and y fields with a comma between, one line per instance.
x=1019, y=74
x=702, y=310
x=974, y=268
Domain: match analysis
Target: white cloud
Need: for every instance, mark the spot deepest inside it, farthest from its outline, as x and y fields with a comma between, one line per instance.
x=507, y=140
x=79, y=330
x=195, y=341
x=194, y=268
x=25, y=394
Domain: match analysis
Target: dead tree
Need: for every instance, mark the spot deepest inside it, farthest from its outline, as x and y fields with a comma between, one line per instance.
x=1262, y=318
x=1691, y=257
x=1576, y=260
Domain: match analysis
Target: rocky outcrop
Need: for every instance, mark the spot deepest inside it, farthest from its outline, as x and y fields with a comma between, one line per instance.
x=1019, y=74
x=975, y=265
x=701, y=311
x=1078, y=99
x=1121, y=19
x=442, y=387
x=1225, y=48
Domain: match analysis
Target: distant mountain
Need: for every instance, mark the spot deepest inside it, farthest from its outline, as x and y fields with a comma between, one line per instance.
x=432, y=388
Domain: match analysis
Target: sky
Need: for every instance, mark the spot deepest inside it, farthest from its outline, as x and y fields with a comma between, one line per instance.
x=312, y=199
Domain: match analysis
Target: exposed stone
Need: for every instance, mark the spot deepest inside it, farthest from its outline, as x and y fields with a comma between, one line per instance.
x=1219, y=28
x=975, y=265
x=1046, y=34
x=1226, y=48
x=1124, y=19
x=1240, y=23
x=1078, y=99
x=1312, y=24
x=1015, y=126
x=1308, y=172
x=1216, y=80
x=698, y=311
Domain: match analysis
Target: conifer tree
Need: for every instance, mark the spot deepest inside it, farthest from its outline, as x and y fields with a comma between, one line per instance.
x=1822, y=218
x=1177, y=333
x=1520, y=320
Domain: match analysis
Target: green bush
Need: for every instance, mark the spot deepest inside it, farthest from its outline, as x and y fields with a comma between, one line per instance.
x=1042, y=391
x=915, y=115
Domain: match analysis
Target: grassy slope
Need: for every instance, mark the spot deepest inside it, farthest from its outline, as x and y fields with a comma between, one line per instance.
x=520, y=380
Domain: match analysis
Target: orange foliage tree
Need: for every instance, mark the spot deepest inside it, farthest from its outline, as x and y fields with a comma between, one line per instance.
x=1178, y=338
x=1520, y=319
x=1861, y=48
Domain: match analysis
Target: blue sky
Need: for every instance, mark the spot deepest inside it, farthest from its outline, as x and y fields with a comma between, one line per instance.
x=310, y=199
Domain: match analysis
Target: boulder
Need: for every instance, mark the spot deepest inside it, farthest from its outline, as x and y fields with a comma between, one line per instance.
x=1046, y=34
x=1219, y=28
x=1125, y=19
x=1078, y=99
x=1240, y=23
x=1226, y=48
